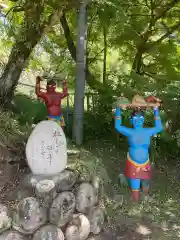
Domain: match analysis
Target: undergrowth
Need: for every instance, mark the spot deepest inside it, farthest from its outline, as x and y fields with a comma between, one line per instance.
x=10, y=130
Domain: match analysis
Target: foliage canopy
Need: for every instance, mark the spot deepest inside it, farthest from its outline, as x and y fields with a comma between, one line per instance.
x=133, y=46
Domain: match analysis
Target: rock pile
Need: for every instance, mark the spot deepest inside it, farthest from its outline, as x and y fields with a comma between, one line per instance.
x=58, y=207
x=58, y=204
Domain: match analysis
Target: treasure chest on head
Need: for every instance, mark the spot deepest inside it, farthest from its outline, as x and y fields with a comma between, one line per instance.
x=121, y=101
x=138, y=100
x=138, y=103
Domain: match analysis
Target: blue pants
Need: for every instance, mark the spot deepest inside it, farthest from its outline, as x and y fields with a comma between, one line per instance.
x=137, y=184
x=58, y=119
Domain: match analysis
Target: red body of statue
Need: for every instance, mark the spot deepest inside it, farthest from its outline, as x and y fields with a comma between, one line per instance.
x=52, y=99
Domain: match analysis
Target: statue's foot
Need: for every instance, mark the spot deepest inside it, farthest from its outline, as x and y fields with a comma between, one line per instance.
x=135, y=196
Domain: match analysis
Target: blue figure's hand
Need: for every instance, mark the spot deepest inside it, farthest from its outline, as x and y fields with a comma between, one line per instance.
x=118, y=121
x=158, y=123
x=118, y=112
x=156, y=111
x=118, y=116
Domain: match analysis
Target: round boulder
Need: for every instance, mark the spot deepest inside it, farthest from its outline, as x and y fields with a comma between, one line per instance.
x=62, y=208
x=29, y=216
x=65, y=180
x=46, y=191
x=96, y=219
x=49, y=232
x=85, y=197
x=78, y=228
x=12, y=235
x=5, y=220
x=30, y=180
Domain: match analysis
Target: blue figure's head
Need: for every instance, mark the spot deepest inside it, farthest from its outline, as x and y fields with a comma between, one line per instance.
x=137, y=119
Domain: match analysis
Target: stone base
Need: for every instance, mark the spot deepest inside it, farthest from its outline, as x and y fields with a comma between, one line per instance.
x=58, y=207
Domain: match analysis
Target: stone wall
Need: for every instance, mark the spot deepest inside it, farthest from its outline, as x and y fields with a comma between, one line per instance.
x=54, y=208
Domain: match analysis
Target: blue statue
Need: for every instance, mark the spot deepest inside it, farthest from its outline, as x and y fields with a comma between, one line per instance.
x=138, y=169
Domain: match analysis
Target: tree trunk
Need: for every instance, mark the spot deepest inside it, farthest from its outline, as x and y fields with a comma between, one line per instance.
x=78, y=116
x=105, y=53
x=12, y=71
x=30, y=34
x=137, y=63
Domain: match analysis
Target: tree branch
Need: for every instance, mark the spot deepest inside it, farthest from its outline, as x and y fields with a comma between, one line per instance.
x=13, y=9
x=52, y=19
x=170, y=31
x=137, y=63
x=18, y=9
x=92, y=59
x=67, y=34
x=159, y=14
x=90, y=78
x=144, y=46
x=142, y=4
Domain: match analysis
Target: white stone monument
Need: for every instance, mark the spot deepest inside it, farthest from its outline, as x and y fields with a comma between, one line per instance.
x=46, y=149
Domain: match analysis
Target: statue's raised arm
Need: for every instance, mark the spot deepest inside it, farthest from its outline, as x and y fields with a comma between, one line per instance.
x=157, y=119
x=118, y=121
x=65, y=90
x=38, y=91
x=157, y=122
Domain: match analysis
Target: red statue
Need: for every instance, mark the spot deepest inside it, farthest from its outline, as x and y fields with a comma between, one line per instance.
x=52, y=100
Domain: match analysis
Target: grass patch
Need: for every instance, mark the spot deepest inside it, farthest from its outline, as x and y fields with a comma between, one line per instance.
x=10, y=130
x=29, y=110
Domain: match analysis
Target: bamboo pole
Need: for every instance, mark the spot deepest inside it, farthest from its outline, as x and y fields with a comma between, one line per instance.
x=28, y=85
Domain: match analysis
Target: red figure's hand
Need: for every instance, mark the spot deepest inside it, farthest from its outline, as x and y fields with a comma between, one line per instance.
x=153, y=98
x=38, y=79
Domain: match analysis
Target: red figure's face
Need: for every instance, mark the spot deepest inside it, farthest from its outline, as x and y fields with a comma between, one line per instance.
x=51, y=88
